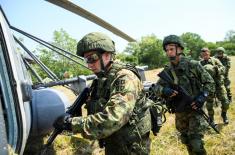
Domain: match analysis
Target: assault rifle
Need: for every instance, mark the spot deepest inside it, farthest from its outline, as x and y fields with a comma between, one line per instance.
x=183, y=99
x=74, y=110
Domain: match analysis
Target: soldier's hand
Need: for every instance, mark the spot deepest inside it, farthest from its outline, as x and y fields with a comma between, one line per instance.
x=193, y=105
x=169, y=92
x=199, y=101
x=63, y=122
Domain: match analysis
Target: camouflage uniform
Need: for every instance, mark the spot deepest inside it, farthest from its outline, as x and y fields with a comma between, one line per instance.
x=190, y=75
x=118, y=112
x=225, y=60
x=216, y=70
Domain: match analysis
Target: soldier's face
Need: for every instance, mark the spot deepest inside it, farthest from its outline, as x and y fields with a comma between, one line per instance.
x=220, y=54
x=93, y=61
x=171, y=52
x=205, y=55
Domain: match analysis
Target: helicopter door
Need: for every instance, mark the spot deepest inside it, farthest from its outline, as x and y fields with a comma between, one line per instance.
x=12, y=114
x=3, y=134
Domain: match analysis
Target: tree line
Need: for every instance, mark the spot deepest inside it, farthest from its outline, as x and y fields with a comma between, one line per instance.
x=147, y=51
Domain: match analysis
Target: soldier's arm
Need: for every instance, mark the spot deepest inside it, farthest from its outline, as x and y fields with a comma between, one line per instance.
x=229, y=63
x=205, y=79
x=117, y=111
x=221, y=68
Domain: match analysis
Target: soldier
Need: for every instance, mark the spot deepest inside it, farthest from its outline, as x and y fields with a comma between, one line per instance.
x=192, y=77
x=225, y=60
x=216, y=70
x=118, y=114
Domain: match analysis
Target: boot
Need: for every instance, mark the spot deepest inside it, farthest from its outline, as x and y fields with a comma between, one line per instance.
x=225, y=118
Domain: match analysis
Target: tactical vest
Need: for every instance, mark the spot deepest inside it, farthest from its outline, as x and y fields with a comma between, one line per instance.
x=224, y=60
x=187, y=78
x=218, y=76
x=210, y=69
x=140, y=120
x=226, y=63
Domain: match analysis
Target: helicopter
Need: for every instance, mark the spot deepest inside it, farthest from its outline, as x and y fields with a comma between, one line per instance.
x=29, y=109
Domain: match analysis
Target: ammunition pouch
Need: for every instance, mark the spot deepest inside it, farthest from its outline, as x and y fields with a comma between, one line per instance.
x=133, y=131
x=156, y=119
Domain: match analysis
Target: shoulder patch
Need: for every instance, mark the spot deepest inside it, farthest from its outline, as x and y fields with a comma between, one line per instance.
x=119, y=84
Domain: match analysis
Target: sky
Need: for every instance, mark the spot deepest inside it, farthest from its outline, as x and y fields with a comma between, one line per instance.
x=211, y=19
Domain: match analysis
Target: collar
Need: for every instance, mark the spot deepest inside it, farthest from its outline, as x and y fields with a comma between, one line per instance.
x=181, y=65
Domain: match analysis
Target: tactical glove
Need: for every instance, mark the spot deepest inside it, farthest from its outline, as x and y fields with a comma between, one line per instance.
x=63, y=122
x=167, y=91
x=201, y=99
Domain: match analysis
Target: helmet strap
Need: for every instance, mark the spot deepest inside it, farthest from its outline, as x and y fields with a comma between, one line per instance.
x=173, y=58
x=177, y=53
x=104, y=69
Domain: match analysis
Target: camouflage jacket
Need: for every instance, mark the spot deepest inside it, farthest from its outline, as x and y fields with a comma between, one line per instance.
x=190, y=75
x=226, y=61
x=115, y=104
x=214, y=62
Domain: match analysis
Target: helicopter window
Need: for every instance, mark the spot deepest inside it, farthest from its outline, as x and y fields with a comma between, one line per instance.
x=3, y=134
x=3, y=106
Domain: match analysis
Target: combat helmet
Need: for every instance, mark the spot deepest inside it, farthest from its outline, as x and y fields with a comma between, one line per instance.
x=205, y=49
x=172, y=39
x=95, y=41
x=220, y=49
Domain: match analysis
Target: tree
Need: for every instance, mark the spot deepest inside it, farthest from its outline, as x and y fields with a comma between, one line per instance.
x=147, y=51
x=230, y=36
x=57, y=63
x=194, y=43
x=151, y=52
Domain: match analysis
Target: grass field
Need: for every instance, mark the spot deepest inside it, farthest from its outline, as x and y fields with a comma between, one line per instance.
x=167, y=142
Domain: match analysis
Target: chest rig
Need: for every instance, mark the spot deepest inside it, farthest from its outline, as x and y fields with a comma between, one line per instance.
x=101, y=87
x=185, y=76
x=140, y=120
x=224, y=60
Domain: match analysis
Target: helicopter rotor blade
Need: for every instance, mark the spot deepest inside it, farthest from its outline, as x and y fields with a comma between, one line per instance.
x=91, y=17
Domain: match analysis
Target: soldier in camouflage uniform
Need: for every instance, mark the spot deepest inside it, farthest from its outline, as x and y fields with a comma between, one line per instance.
x=225, y=60
x=216, y=70
x=118, y=112
x=191, y=76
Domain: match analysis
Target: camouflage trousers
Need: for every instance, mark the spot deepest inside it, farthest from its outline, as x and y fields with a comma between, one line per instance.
x=191, y=126
x=221, y=94
x=120, y=147
x=227, y=86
